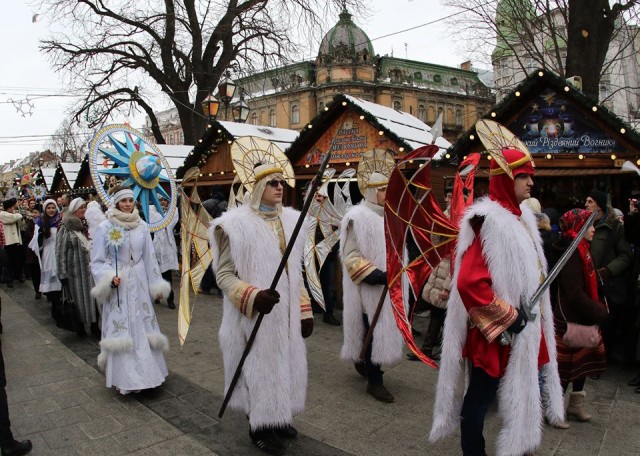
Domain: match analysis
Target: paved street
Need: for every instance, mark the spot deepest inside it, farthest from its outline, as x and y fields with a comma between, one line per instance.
x=57, y=398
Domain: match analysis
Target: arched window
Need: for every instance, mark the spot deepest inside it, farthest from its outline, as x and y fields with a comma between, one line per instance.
x=454, y=81
x=431, y=114
x=437, y=78
x=321, y=106
x=449, y=117
x=397, y=105
x=272, y=117
x=421, y=112
x=254, y=118
x=295, y=114
x=459, y=117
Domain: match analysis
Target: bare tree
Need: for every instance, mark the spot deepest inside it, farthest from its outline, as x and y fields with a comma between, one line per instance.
x=70, y=140
x=117, y=54
x=568, y=37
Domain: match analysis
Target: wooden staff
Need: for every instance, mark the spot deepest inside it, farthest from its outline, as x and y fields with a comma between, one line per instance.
x=285, y=256
x=374, y=322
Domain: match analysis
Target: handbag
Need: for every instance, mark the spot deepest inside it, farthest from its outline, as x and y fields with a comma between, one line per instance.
x=577, y=335
x=66, y=315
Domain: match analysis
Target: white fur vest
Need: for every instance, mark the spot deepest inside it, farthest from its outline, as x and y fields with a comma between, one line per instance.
x=273, y=384
x=512, y=249
x=368, y=228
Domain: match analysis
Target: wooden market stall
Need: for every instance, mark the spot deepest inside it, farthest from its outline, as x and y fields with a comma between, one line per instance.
x=577, y=143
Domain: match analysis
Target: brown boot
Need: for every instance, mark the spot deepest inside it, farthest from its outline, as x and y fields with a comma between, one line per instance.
x=576, y=406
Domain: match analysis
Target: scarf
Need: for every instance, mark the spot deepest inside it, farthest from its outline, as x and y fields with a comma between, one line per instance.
x=570, y=224
x=123, y=219
x=54, y=222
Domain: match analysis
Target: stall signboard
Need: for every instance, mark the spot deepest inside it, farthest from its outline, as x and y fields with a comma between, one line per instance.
x=551, y=124
x=348, y=137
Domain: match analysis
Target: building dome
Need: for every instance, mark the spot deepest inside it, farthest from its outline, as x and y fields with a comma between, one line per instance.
x=345, y=43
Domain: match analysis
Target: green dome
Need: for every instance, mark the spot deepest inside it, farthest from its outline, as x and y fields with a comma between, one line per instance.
x=345, y=41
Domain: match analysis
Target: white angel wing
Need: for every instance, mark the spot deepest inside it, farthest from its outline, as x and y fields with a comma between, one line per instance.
x=94, y=216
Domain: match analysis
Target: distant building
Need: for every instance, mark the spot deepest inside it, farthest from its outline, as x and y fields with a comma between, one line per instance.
x=290, y=96
x=620, y=84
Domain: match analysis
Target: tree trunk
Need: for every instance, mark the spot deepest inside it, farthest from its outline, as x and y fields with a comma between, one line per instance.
x=591, y=26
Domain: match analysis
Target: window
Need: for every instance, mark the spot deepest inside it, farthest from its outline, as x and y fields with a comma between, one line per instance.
x=395, y=75
x=397, y=105
x=417, y=76
x=272, y=117
x=431, y=114
x=459, y=117
x=454, y=81
x=449, y=117
x=254, y=118
x=295, y=114
x=171, y=139
x=181, y=137
x=437, y=78
x=421, y=112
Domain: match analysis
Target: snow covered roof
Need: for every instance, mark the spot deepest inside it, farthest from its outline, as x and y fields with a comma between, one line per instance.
x=404, y=125
x=47, y=175
x=174, y=154
x=282, y=137
x=71, y=172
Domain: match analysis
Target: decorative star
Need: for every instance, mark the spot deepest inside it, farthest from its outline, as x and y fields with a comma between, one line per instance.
x=535, y=107
x=548, y=97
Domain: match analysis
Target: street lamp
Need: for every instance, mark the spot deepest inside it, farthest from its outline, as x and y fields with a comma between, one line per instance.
x=210, y=106
x=240, y=109
x=226, y=89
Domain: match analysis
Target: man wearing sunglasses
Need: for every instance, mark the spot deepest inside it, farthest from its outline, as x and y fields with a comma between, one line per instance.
x=248, y=243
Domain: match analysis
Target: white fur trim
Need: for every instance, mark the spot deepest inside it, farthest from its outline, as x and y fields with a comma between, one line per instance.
x=102, y=290
x=102, y=361
x=160, y=289
x=158, y=341
x=512, y=260
x=116, y=344
x=368, y=229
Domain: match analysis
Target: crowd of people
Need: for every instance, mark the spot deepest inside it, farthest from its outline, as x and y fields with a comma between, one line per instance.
x=113, y=270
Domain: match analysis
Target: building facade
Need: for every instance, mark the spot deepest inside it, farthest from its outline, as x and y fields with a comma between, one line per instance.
x=512, y=61
x=290, y=96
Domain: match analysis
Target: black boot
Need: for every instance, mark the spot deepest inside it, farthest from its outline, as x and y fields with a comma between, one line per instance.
x=171, y=305
x=16, y=448
x=266, y=440
x=361, y=368
x=287, y=432
x=378, y=391
x=330, y=319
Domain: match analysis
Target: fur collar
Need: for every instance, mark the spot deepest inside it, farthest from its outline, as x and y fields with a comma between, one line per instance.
x=72, y=222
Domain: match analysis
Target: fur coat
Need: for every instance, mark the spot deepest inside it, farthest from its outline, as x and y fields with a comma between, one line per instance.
x=73, y=256
x=273, y=384
x=512, y=259
x=368, y=229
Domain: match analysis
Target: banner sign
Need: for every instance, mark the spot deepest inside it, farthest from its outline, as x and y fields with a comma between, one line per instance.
x=551, y=124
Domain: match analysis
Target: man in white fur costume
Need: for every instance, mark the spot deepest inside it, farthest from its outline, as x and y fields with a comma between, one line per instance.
x=132, y=346
x=362, y=247
x=248, y=243
x=499, y=259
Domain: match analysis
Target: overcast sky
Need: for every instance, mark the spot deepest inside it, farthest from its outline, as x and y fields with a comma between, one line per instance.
x=27, y=74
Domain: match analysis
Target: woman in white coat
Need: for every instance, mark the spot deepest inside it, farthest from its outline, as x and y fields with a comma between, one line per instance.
x=128, y=280
x=43, y=244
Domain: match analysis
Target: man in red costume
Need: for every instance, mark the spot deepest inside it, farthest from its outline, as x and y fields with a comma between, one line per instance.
x=499, y=264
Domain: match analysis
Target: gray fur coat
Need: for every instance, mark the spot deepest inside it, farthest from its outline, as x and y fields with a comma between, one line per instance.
x=73, y=258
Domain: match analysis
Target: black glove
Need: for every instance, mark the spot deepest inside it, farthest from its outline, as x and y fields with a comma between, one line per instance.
x=377, y=277
x=65, y=283
x=265, y=300
x=306, y=327
x=519, y=324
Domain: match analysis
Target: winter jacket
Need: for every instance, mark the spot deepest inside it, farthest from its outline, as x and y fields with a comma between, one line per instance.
x=11, y=227
x=440, y=279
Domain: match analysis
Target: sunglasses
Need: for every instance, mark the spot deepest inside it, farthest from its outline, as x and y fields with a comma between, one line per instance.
x=274, y=183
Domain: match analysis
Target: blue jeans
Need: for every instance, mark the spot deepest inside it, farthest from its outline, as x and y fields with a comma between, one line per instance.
x=480, y=394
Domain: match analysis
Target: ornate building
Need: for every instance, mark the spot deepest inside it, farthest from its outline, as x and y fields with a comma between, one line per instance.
x=290, y=96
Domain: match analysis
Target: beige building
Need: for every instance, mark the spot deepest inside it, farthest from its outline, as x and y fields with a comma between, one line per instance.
x=290, y=96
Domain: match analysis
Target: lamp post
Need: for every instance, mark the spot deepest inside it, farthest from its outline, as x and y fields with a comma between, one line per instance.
x=226, y=91
x=210, y=106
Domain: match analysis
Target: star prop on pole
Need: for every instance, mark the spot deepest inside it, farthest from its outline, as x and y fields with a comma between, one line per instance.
x=115, y=238
x=140, y=164
x=495, y=138
x=412, y=210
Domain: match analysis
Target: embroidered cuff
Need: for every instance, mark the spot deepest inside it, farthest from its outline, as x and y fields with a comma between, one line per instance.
x=493, y=319
x=243, y=297
x=305, y=304
x=359, y=270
